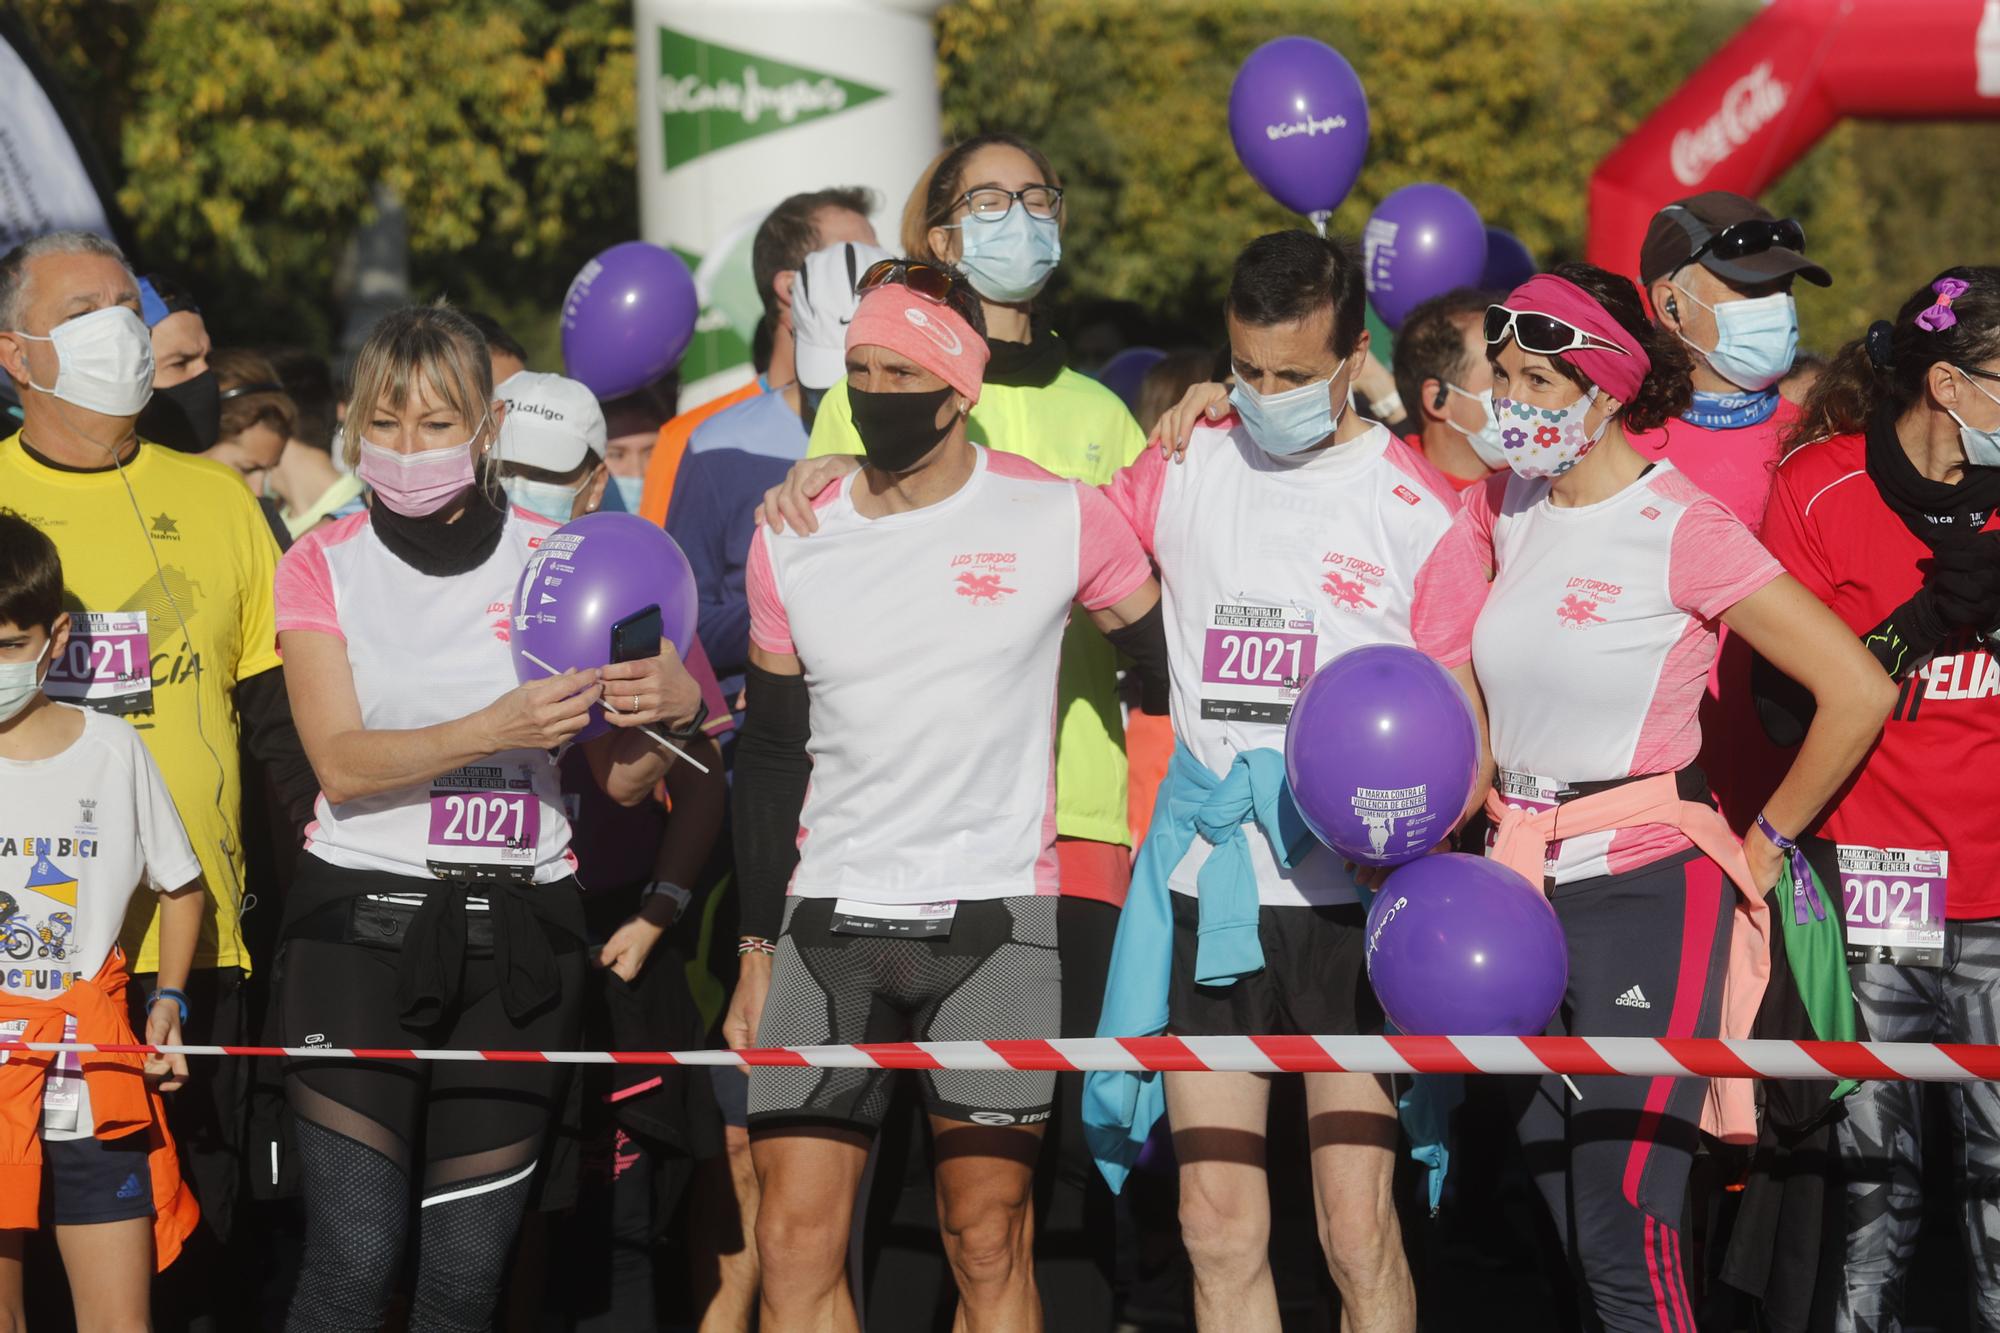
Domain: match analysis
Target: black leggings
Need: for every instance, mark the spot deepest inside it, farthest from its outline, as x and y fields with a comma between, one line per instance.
x=365, y=1128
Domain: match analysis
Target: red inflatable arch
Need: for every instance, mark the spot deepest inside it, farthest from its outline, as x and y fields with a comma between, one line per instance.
x=1778, y=85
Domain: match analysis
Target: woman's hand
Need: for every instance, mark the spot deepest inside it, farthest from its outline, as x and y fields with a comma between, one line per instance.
x=790, y=501
x=163, y=1028
x=629, y=947
x=1201, y=405
x=542, y=714
x=650, y=689
x=746, y=1004
x=1766, y=861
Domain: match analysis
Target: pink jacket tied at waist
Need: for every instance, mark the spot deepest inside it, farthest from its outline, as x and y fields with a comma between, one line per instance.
x=1730, y=1111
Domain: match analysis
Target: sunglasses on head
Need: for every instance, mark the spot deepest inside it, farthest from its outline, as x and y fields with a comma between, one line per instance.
x=1542, y=334
x=1753, y=237
x=926, y=280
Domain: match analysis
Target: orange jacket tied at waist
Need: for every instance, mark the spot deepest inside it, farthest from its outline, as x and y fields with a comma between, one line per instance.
x=1729, y=1111
x=121, y=1103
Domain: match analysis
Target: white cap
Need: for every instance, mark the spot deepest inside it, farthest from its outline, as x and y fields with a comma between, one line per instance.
x=552, y=423
x=823, y=301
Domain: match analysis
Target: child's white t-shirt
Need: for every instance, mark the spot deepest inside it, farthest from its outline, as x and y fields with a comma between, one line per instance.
x=80, y=831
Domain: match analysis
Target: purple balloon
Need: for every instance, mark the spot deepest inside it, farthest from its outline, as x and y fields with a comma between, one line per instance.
x=627, y=318
x=1381, y=753
x=1422, y=241
x=1463, y=946
x=585, y=577
x=1508, y=262
x=1125, y=373
x=1299, y=119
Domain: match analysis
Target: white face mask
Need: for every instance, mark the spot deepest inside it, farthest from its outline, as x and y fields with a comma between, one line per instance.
x=104, y=362
x=1486, y=440
x=551, y=501
x=1546, y=441
x=19, y=682
x=1982, y=447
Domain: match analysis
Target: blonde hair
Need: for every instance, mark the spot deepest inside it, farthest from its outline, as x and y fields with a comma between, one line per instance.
x=434, y=344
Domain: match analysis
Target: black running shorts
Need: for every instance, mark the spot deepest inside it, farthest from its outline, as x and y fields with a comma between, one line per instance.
x=1314, y=981
x=995, y=976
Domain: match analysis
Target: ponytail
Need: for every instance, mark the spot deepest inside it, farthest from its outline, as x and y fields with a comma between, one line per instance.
x=1886, y=369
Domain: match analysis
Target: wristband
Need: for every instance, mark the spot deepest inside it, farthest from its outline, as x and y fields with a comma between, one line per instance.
x=692, y=731
x=1389, y=407
x=1805, y=890
x=179, y=998
x=750, y=944
x=664, y=889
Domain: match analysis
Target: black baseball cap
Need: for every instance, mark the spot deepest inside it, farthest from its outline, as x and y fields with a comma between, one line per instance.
x=1683, y=228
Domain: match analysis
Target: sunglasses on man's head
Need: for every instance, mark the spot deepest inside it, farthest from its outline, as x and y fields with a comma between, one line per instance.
x=926, y=280
x=1753, y=237
x=1543, y=334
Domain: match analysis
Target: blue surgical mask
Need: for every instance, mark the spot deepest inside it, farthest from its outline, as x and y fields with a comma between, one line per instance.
x=1010, y=258
x=1486, y=440
x=19, y=682
x=1982, y=447
x=1290, y=422
x=553, y=502
x=1756, y=340
x=627, y=490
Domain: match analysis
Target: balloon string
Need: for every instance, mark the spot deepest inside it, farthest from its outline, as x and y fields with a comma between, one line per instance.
x=656, y=736
x=1319, y=220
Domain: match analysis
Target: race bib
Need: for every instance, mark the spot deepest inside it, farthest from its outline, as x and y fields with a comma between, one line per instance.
x=62, y=1086
x=905, y=921
x=1893, y=901
x=108, y=664
x=484, y=824
x=1526, y=791
x=1255, y=659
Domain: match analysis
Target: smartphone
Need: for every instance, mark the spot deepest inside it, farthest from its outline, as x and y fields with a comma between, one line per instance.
x=637, y=636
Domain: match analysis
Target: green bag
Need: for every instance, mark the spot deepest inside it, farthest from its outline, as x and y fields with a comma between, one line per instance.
x=1818, y=959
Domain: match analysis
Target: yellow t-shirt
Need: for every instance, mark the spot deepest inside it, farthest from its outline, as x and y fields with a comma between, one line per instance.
x=1076, y=428
x=201, y=618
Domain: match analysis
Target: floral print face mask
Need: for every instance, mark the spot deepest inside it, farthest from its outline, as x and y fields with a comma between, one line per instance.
x=1545, y=441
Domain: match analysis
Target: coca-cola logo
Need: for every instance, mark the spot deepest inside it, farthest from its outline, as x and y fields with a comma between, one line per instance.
x=1751, y=103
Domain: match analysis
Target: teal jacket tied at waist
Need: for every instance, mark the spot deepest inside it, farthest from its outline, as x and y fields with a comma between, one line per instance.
x=1120, y=1109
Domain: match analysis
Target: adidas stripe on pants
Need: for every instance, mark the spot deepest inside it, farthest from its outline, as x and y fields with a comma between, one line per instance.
x=1647, y=952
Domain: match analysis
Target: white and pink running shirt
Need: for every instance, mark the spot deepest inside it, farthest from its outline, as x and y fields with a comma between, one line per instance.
x=1593, y=643
x=930, y=641
x=426, y=650
x=1269, y=569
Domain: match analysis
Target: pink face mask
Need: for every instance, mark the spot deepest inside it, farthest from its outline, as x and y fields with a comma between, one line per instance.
x=417, y=485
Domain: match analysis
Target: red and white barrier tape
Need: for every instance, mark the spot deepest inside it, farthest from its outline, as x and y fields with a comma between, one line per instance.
x=1638, y=1056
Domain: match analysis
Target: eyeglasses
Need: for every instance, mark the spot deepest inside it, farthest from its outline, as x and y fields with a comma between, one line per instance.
x=1544, y=335
x=1753, y=237
x=926, y=280
x=990, y=203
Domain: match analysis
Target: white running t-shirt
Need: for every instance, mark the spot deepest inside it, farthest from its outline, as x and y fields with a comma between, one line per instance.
x=1593, y=643
x=1269, y=569
x=84, y=830
x=930, y=641
x=427, y=649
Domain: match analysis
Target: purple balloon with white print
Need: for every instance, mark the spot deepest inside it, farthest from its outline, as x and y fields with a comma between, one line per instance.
x=586, y=577
x=1299, y=119
x=1421, y=241
x=1381, y=753
x=1462, y=946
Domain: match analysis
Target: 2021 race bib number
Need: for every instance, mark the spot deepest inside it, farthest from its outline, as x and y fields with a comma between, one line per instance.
x=1255, y=659
x=108, y=664
x=1893, y=901
x=485, y=823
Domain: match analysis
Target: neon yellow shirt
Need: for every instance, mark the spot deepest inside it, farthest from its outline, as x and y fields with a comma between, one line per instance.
x=1076, y=428
x=206, y=615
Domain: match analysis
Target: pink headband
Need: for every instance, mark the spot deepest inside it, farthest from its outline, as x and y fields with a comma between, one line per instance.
x=1619, y=376
x=929, y=333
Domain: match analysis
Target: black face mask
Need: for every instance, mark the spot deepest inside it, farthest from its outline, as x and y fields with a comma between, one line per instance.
x=187, y=417
x=898, y=429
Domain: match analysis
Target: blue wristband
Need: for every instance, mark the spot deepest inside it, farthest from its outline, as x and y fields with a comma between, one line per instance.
x=179, y=998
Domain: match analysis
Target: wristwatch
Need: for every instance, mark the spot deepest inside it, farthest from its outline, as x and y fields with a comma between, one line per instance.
x=692, y=731
x=679, y=896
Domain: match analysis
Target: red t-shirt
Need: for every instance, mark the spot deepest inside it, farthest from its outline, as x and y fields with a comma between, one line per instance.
x=1926, y=785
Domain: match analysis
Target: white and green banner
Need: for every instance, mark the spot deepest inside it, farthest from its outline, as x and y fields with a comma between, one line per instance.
x=742, y=102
